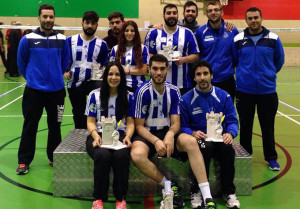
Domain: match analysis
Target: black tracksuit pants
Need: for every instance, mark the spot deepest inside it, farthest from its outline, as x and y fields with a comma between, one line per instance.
x=104, y=159
x=267, y=105
x=33, y=104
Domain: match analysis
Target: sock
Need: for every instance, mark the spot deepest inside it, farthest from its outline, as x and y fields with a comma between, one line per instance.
x=163, y=181
x=205, y=191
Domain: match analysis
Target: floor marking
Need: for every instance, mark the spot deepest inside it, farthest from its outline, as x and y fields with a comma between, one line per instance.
x=289, y=117
x=1, y=108
x=290, y=106
x=2, y=95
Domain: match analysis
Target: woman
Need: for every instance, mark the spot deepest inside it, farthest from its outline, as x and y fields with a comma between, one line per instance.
x=133, y=55
x=111, y=100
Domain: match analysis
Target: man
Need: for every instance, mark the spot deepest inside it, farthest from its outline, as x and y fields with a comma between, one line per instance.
x=116, y=20
x=43, y=57
x=190, y=14
x=194, y=106
x=13, y=41
x=157, y=123
x=215, y=44
x=179, y=39
x=2, y=50
x=260, y=56
x=86, y=49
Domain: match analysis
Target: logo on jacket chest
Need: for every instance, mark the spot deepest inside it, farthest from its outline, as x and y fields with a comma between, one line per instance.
x=197, y=110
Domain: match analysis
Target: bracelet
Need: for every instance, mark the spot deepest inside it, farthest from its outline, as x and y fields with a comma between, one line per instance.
x=155, y=141
x=93, y=130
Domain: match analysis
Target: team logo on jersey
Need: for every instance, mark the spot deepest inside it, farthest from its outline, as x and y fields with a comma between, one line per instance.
x=197, y=110
x=144, y=109
x=154, y=103
x=152, y=44
x=208, y=38
x=92, y=108
x=78, y=48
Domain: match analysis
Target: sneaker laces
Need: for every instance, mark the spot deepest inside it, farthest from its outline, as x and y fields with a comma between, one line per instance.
x=175, y=190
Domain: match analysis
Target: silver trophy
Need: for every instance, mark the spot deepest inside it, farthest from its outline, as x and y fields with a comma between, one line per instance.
x=96, y=71
x=214, y=127
x=110, y=136
x=169, y=53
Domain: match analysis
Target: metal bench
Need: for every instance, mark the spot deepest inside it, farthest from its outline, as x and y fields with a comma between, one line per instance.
x=73, y=171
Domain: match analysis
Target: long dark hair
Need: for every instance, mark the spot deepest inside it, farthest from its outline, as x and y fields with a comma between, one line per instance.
x=137, y=48
x=122, y=105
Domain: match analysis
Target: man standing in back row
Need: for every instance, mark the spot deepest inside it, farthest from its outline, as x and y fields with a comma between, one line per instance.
x=86, y=50
x=43, y=57
x=259, y=55
x=180, y=40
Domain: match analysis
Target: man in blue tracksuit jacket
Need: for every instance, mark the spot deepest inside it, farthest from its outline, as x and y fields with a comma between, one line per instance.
x=259, y=55
x=43, y=57
x=194, y=105
x=215, y=45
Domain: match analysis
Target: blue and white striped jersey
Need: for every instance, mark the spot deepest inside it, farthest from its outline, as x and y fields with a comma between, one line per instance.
x=93, y=108
x=132, y=81
x=83, y=54
x=154, y=107
x=182, y=40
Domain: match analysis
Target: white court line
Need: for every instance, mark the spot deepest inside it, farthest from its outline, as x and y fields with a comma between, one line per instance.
x=289, y=117
x=2, y=95
x=290, y=106
x=11, y=82
x=1, y=108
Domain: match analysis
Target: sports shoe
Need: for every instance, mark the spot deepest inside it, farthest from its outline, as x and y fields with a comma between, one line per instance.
x=196, y=200
x=232, y=201
x=22, y=169
x=51, y=164
x=121, y=204
x=210, y=204
x=177, y=199
x=97, y=204
x=274, y=165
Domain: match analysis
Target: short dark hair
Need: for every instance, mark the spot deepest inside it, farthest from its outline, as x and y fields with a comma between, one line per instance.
x=188, y=4
x=253, y=9
x=170, y=6
x=46, y=6
x=214, y=3
x=158, y=58
x=115, y=15
x=90, y=15
x=200, y=63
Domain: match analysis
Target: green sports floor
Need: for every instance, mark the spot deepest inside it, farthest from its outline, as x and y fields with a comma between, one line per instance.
x=272, y=190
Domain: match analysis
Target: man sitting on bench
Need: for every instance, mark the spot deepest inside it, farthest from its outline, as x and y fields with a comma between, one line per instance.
x=207, y=101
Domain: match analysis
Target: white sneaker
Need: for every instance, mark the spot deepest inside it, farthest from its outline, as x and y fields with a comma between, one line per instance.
x=196, y=200
x=232, y=201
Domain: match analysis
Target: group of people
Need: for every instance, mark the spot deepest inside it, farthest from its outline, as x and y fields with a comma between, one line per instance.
x=165, y=114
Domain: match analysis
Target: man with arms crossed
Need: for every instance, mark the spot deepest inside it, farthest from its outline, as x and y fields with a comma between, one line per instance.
x=157, y=122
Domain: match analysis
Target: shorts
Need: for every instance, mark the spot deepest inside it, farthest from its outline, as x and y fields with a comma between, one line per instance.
x=181, y=156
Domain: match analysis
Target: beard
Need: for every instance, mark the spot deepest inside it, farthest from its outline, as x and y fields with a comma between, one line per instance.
x=214, y=21
x=189, y=22
x=47, y=26
x=171, y=22
x=89, y=31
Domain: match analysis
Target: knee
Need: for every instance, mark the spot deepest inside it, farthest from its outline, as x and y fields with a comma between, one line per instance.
x=122, y=155
x=138, y=156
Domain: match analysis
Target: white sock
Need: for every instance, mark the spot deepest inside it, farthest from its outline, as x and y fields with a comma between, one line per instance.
x=163, y=181
x=205, y=191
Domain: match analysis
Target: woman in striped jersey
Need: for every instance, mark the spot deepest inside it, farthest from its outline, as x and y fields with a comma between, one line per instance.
x=133, y=55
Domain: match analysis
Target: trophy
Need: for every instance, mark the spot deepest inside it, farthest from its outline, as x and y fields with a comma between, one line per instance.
x=110, y=136
x=96, y=71
x=169, y=53
x=167, y=202
x=214, y=127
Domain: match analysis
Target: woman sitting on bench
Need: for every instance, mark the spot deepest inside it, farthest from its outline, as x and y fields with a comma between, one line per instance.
x=112, y=99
